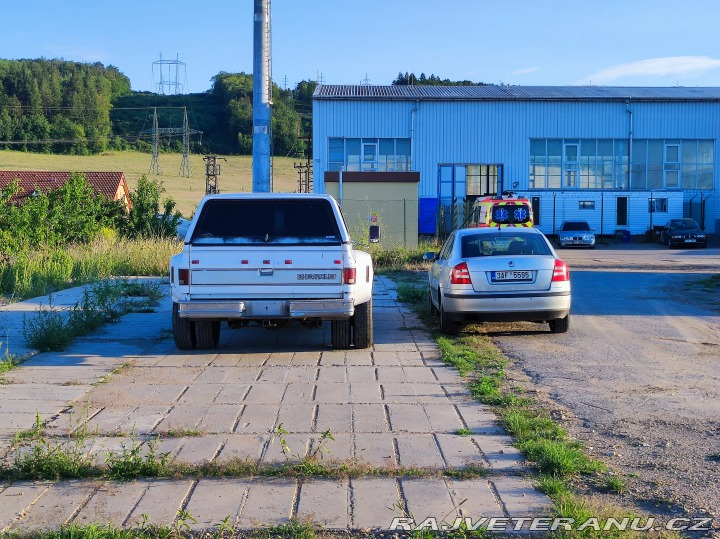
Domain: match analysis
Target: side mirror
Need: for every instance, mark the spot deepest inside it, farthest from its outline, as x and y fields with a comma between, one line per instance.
x=429, y=256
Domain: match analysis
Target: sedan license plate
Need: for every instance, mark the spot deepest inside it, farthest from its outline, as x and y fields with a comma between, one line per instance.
x=690, y=240
x=501, y=276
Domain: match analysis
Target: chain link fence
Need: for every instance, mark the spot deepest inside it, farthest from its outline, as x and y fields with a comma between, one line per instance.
x=396, y=221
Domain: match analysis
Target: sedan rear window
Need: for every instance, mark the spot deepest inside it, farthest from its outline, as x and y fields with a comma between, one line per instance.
x=503, y=245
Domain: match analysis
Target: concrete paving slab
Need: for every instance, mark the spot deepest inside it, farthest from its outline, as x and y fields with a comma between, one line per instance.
x=299, y=393
x=361, y=374
x=257, y=418
x=375, y=502
x=443, y=418
x=274, y=374
x=296, y=447
x=520, y=498
x=111, y=504
x=429, y=497
x=243, y=375
x=385, y=358
x=200, y=393
x=302, y=375
x=296, y=418
x=16, y=498
x=56, y=506
x=336, y=417
x=325, y=503
x=332, y=393
x=359, y=358
x=391, y=374
x=231, y=393
x=265, y=393
x=334, y=357
x=305, y=359
x=250, y=359
x=160, y=502
x=419, y=374
x=399, y=393
x=215, y=500
x=365, y=392
x=460, y=451
x=269, y=503
x=369, y=418
x=338, y=450
x=243, y=447
x=332, y=374
x=280, y=358
x=197, y=450
x=499, y=452
x=475, y=498
x=408, y=418
x=377, y=450
x=220, y=418
x=418, y=451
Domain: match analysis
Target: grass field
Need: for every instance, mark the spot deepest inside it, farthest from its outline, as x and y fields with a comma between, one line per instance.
x=236, y=173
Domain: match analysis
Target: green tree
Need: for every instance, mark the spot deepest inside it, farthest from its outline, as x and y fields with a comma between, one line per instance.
x=146, y=218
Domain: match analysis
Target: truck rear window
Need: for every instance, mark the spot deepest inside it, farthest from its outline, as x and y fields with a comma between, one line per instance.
x=266, y=222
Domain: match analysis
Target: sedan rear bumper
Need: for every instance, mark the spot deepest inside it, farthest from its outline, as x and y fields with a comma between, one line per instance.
x=507, y=308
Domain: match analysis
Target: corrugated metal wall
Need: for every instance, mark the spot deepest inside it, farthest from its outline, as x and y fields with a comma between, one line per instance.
x=498, y=132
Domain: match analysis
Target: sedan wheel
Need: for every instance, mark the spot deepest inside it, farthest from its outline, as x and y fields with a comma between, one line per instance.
x=560, y=325
x=431, y=306
x=447, y=325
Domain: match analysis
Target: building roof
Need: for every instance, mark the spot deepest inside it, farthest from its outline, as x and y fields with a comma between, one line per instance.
x=111, y=185
x=492, y=92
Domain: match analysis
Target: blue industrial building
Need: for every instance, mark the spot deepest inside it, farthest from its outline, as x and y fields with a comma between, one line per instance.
x=622, y=158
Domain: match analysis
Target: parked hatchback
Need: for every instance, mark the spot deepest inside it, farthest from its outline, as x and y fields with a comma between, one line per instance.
x=576, y=234
x=498, y=274
x=682, y=232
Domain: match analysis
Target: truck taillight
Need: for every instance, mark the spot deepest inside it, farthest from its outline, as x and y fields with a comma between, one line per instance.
x=460, y=274
x=183, y=277
x=561, y=272
x=349, y=275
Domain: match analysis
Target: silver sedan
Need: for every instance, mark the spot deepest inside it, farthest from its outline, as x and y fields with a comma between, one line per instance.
x=499, y=274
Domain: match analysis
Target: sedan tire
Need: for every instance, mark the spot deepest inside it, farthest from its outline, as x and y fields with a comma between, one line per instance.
x=447, y=325
x=560, y=325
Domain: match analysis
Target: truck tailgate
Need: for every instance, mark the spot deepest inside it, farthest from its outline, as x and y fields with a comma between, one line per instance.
x=268, y=272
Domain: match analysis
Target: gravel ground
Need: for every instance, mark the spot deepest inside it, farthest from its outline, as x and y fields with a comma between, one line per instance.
x=637, y=377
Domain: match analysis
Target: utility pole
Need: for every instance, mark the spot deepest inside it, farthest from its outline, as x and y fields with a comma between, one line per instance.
x=212, y=171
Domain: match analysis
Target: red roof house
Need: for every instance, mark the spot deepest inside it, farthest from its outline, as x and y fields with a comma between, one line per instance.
x=111, y=185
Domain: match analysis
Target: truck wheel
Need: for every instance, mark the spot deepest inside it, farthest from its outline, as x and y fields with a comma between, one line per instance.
x=363, y=325
x=183, y=330
x=340, y=334
x=207, y=334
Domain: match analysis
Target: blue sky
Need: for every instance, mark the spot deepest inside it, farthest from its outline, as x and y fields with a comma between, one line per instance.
x=523, y=42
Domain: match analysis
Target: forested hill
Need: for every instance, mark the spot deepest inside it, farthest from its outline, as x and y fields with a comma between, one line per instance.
x=56, y=106
x=69, y=107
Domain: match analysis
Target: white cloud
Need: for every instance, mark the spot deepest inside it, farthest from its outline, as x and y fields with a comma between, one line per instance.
x=654, y=67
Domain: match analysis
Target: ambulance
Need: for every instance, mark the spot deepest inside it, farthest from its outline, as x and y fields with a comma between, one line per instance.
x=502, y=211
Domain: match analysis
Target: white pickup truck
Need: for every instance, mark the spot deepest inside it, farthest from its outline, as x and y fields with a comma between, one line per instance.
x=270, y=259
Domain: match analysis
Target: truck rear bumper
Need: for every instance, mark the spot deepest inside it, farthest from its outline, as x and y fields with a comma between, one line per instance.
x=326, y=309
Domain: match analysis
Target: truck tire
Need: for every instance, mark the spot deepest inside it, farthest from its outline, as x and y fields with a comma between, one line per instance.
x=363, y=325
x=183, y=330
x=207, y=334
x=340, y=334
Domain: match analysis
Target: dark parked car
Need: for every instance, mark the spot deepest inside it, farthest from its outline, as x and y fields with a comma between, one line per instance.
x=678, y=232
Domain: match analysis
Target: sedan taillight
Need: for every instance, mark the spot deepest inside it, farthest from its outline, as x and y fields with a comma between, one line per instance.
x=561, y=272
x=460, y=274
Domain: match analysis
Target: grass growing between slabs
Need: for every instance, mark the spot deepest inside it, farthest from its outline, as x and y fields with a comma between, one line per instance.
x=562, y=463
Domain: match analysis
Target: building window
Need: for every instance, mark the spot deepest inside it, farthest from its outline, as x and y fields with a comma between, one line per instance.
x=657, y=205
x=606, y=164
x=586, y=205
x=369, y=154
